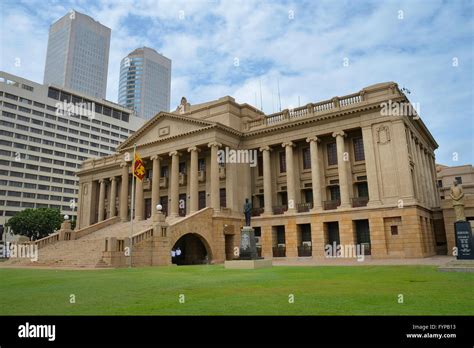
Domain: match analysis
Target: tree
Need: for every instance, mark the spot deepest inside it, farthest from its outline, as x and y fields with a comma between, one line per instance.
x=35, y=223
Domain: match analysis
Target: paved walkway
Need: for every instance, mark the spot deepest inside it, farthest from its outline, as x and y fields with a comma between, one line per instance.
x=368, y=261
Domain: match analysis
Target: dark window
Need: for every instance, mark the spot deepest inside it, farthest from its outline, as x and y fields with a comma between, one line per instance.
x=440, y=183
x=332, y=154
x=164, y=172
x=65, y=97
x=164, y=204
x=394, y=230
x=282, y=162
x=53, y=93
x=335, y=193
x=306, y=158
x=107, y=111
x=260, y=165
x=362, y=189
x=182, y=167
x=201, y=164
x=358, y=149
x=222, y=197
x=202, y=200
x=281, y=234
x=458, y=179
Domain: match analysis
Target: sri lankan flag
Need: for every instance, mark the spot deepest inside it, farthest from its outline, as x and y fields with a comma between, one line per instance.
x=138, y=167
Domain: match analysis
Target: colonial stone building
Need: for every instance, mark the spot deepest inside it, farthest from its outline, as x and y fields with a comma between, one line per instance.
x=349, y=170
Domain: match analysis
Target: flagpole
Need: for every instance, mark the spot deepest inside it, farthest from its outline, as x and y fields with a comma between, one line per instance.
x=133, y=201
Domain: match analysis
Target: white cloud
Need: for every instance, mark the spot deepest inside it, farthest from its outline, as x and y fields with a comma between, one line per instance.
x=305, y=52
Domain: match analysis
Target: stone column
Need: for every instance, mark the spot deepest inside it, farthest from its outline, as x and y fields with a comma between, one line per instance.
x=415, y=169
x=155, y=184
x=113, y=195
x=371, y=167
x=315, y=173
x=193, y=180
x=139, y=200
x=429, y=179
x=124, y=193
x=174, y=184
x=215, y=203
x=341, y=169
x=101, y=200
x=421, y=171
x=435, y=178
x=405, y=185
x=290, y=176
x=267, y=181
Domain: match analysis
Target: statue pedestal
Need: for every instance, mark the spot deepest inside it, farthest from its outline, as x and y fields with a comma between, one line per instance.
x=464, y=240
x=248, y=258
x=248, y=247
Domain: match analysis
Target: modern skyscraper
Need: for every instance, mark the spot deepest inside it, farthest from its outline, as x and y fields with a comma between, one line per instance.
x=145, y=82
x=78, y=54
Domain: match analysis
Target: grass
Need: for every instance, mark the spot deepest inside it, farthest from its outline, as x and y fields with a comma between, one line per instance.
x=213, y=290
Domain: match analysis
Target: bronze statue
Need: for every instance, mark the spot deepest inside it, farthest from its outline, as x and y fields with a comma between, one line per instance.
x=247, y=211
x=457, y=195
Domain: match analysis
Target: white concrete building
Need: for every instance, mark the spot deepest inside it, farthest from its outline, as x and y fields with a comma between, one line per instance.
x=42, y=146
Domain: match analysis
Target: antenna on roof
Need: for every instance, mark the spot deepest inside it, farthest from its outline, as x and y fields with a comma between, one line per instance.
x=256, y=105
x=279, y=98
x=261, y=98
x=273, y=104
x=299, y=104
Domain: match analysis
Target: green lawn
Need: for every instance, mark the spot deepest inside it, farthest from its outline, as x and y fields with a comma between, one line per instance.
x=213, y=290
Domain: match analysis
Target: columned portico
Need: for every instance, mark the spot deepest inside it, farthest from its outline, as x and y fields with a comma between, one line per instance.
x=193, y=180
x=267, y=180
x=315, y=172
x=101, y=200
x=290, y=176
x=113, y=195
x=365, y=167
x=174, y=184
x=342, y=169
x=215, y=203
x=155, y=183
x=124, y=192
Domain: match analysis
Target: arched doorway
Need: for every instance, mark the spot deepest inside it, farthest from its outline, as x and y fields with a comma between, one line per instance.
x=194, y=250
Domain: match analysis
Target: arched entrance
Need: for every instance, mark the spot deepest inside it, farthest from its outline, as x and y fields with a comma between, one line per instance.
x=191, y=249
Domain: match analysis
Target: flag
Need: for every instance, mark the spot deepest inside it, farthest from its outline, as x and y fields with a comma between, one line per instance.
x=138, y=167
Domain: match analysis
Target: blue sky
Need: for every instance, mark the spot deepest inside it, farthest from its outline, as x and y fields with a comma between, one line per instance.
x=303, y=44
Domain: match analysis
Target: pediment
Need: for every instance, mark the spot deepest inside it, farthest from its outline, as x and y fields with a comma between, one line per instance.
x=165, y=126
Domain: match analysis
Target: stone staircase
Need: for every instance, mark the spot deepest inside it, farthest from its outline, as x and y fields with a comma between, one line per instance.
x=119, y=230
x=85, y=252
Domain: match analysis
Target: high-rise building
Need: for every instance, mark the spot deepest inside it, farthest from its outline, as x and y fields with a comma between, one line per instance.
x=45, y=134
x=145, y=82
x=78, y=54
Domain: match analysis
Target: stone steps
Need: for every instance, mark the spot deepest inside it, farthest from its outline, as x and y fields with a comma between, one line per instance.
x=85, y=252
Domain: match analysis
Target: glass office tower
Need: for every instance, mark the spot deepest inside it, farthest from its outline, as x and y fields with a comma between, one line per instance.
x=145, y=82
